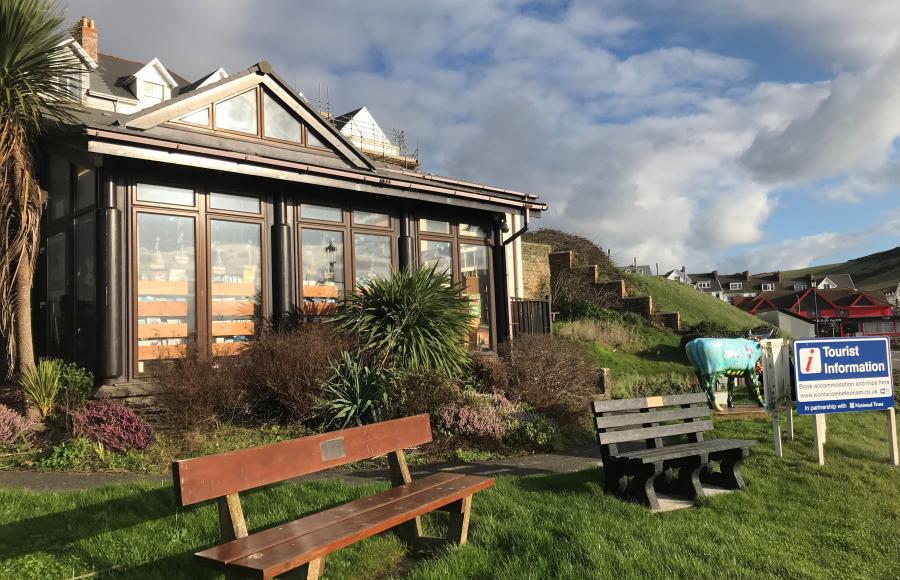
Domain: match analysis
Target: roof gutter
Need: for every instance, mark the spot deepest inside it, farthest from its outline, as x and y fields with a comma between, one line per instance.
x=521, y=231
x=370, y=179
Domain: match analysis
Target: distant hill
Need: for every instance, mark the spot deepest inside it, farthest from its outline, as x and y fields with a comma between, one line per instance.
x=872, y=272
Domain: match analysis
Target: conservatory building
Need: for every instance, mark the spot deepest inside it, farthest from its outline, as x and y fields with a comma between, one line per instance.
x=185, y=213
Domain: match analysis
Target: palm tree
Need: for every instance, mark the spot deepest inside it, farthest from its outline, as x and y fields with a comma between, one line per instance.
x=35, y=65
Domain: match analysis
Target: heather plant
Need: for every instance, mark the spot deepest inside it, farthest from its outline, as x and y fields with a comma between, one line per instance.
x=414, y=319
x=355, y=394
x=41, y=385
x=13, y=426
x=476, y=416
x=114, y=426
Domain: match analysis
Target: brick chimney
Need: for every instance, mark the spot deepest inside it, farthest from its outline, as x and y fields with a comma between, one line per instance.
x=746, y=274
x=715, y=274
x=85, y=34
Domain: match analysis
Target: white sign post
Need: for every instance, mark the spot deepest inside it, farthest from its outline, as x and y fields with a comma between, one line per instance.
x=845, y=375
x=777, y=388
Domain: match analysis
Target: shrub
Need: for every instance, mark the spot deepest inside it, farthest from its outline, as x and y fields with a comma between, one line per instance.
x=489, y=374
x=553, y=375
x=355, y=394
x=525, y=428
x=635, y=386
x=476, y=416
x=76, y=453
x=414, y=319
x=113, y=425
x=416, y=392
x=41, y=385
x=75, y=383
x=287, y=367
x=198, y=390
x=12, y=426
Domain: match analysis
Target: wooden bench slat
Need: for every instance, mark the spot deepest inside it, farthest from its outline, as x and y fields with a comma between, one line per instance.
x=294, y=553
x=685, y=450
x=214, y=476
x=270, y=537
x=651, y=432
x=602, y=406
x=651, y=417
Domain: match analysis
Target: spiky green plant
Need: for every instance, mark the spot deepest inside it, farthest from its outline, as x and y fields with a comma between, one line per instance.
x=35, y=65
x=42, y=385
x=411, y=320
x=355, y=394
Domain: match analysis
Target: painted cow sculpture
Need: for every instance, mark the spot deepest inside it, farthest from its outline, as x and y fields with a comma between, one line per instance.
x=730, y=357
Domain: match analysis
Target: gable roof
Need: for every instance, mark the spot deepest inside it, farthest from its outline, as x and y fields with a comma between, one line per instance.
x=204, y=80
x=259, y=74
x=113, y=73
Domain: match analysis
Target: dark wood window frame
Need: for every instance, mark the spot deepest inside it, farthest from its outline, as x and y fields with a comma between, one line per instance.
x=260, y=135
x=455, y=240
x=348, y=230
x=202, y=214
x=64, y=224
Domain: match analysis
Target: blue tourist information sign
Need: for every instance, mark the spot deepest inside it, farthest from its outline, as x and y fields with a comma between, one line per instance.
x=840, y=375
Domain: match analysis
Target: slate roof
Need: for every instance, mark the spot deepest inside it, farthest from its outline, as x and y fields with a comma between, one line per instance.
x=112, y=72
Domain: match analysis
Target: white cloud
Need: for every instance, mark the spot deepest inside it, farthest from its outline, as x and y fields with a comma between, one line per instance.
x=665, y=153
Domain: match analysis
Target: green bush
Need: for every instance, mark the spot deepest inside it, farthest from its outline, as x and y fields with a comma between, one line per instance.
x=411, y=320
x=355, y=394
x=528, y=429
x=75, y=382
x=41, y=385
x=74, y=454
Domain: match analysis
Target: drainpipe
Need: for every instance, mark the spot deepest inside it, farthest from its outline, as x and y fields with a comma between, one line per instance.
x=501, y=294
x=519, y=232
x=281, y=260
x=110, y=290
x=405, y=249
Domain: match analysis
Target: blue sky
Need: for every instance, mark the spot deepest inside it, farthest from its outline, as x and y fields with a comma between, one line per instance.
x=712, y=134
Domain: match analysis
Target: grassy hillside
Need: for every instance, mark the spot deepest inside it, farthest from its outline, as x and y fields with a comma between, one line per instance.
x=693, y=305
x=871, y=272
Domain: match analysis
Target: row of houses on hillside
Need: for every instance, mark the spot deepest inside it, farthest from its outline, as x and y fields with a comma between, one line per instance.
x=727, y=287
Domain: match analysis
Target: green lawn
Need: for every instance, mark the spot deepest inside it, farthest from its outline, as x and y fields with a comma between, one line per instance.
x=694, y=306
x=795, y=520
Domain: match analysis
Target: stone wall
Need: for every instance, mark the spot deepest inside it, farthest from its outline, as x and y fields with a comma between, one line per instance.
x=642, y=305
x=670, y=320
x=535, y=270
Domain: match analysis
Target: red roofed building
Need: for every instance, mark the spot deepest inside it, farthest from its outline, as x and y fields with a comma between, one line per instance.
x=838, y=312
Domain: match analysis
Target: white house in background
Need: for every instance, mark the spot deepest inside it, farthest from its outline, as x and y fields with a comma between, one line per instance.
x=361, y=128
x=678, y=276
x=644, y=270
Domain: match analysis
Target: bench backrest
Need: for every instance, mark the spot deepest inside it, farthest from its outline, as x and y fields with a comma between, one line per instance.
x=215, y=476
x=649, y=419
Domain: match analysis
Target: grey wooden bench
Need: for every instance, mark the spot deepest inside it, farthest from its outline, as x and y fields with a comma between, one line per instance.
x=642, y=439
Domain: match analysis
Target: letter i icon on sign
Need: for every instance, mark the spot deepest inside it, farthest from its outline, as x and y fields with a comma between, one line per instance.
x=810, y=361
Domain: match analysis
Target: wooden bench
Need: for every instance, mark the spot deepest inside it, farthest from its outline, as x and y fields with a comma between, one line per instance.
x=302, y=545
x=641, y=439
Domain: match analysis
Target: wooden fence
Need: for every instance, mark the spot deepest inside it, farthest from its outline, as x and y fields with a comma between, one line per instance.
x=530, y=316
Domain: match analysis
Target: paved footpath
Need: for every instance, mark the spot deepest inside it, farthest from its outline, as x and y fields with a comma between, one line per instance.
x=560, y=462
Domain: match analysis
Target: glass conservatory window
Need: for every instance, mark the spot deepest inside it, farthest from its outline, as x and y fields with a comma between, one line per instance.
x=371, y=257
x=322, y=266
x=435, y=252
x=238, y=113
x=229, y=202
x=434, y=226
x=472, y=230
x=236, y=284
x=321, y=212
x=369, y=218
x=163, y=194
x=59, y=187
x=279, y=122
x=313, y=140
x=473, y=267
x=200, y=117
x=166, y=286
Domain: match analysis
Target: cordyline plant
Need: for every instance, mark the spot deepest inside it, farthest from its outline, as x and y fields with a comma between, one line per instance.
x=35, y=65
x=412, y=320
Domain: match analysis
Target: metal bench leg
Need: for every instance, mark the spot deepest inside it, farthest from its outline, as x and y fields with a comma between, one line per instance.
x=644, y=481
x=458, y=531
